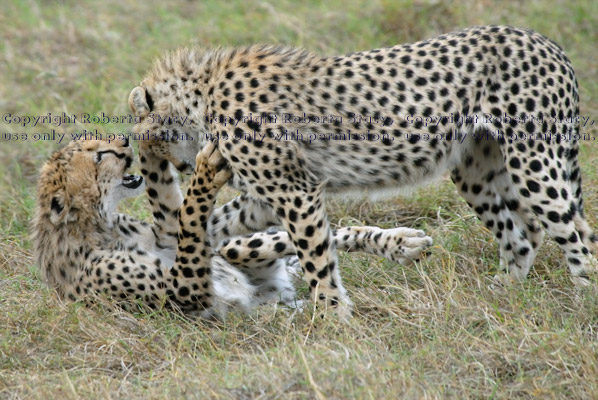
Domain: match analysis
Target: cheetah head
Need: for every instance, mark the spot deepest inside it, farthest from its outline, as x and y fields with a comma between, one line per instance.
x=85, y=181
x=166, y=131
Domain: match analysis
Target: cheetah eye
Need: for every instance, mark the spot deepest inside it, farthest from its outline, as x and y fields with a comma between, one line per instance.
x=100, y=154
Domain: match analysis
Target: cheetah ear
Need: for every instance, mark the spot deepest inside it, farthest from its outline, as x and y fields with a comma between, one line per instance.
x=57, y=211
x=61, y=209
x=140, y=102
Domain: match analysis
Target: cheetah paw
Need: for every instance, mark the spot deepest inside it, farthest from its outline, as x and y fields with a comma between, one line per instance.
x=500, y=282
x=212, y=167
x=344, y=309
x=341, y=307
x=405, y=245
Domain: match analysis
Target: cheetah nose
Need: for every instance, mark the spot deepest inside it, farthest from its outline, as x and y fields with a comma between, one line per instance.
x=126, y=143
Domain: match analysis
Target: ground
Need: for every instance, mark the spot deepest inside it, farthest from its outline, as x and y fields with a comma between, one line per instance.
x=431, y=331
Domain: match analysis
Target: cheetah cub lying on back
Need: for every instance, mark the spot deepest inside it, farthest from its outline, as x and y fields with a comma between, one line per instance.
x=497, y=107
x=84, y=247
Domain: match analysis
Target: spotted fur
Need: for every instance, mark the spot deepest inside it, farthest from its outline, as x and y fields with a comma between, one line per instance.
x=473, y=83
x=84, y=248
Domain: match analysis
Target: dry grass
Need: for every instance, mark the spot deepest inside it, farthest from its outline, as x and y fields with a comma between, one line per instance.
x=431, y=331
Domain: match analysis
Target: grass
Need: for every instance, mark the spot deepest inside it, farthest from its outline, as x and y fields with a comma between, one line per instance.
x=434, y=330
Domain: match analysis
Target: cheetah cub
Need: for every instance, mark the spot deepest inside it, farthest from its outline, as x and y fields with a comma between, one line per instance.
x=83, y=247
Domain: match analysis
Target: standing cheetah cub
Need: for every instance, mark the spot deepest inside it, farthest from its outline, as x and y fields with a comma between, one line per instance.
x=84, y=247
x=495, y=106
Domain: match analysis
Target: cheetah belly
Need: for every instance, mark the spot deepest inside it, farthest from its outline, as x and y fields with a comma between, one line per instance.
x=393, y=170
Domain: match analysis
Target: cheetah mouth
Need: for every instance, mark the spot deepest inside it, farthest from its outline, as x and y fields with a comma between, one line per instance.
x=132, y=181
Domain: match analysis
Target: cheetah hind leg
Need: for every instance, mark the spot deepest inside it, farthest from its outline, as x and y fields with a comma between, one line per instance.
x=260, y=250
x=401, y=245
x=552, y=199
x=269, y=258
x=485, y=183
x=588, y=237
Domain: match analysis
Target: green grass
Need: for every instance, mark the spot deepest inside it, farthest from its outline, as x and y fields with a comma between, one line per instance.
x=434, y=330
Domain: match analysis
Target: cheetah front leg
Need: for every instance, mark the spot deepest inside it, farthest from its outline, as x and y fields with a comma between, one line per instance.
x=191, y=274
x=402, y=245
x=304, y=218
x=164, y=195
x=298, y=199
